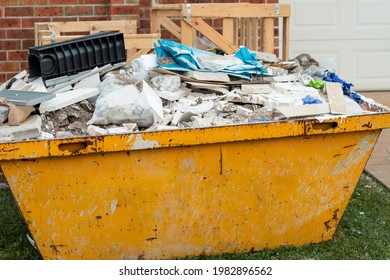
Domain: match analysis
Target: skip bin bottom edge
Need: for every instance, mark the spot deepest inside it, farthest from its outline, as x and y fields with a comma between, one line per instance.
x=187, y=201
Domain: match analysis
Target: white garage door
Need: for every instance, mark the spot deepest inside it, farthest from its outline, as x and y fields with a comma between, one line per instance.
x=355, y=32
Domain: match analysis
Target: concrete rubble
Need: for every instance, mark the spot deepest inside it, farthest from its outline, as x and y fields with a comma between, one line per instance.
x=143, y=97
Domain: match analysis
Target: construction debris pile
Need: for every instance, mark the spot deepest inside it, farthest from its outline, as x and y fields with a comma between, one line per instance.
x=178, y=87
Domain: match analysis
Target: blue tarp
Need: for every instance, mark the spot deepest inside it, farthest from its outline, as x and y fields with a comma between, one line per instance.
x=178, y=57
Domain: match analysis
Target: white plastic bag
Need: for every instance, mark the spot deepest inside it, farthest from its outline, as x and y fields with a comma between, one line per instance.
x=120, y=105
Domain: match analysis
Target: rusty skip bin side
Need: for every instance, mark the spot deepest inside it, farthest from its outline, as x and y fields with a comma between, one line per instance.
x=171, y=194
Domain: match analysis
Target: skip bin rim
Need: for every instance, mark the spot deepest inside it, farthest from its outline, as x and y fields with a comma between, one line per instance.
x=189, y=137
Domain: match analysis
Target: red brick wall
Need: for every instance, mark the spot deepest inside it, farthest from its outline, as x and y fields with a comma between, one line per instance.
x=17, y=18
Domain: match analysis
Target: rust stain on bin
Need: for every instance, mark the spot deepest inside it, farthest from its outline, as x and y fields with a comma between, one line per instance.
x=207, y=191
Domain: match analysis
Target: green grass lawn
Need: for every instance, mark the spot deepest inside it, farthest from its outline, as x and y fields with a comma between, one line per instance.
x=363, y=233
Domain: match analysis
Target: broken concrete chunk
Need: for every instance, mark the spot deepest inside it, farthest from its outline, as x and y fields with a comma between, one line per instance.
x=96, y=131
x=226, y=107
x=76, y=125
x=169, y=83
x=241, y=97
x=266, y=57
x=30, y=128
x=4, y=110
x=67, y=98
x=196, y=107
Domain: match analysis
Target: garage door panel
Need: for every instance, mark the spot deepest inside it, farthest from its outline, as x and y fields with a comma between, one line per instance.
x=373, y=13
x=321, y=14
x=355, y=32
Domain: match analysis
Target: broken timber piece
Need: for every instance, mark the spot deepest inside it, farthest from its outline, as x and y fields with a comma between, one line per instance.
x=336, y=98
x=304, y=110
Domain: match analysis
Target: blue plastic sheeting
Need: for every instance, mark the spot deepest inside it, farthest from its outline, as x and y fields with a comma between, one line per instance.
x=332, y=77
x=311, y=100
x=178, y=57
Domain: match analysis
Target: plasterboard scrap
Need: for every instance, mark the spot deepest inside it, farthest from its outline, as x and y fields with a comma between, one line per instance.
x=96, y=130
x=39, y=85
x=295, y=88
x=226, y=107
x=166, y=82
x=336, y=98
x=62, y=88
x=266, y=57
x=208, y=76
x=154, y=101
x=92, y=81
x=256, y=88
x=176, y=117
x=287, y=78
x=304, y=110
x=172, y=95
x=30, y=128
x=67, y=98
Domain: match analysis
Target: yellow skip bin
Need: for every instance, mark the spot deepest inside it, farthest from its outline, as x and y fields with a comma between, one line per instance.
x=172, y=194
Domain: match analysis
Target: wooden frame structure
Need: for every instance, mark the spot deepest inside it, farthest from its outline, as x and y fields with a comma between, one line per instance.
x=251, y=25
x=135, y=44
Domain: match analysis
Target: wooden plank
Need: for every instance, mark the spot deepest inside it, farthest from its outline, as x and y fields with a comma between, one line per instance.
x=268, y=35
x=286, y=39
x=224, y=10
x=125, y=26
x=172, y=27
x=255, y=34
x=166, y=7
x=132, y=41
x=304, y=110
x=186, y=33
x=336, y=98
x=228, y=29
x=155, y=25
x=205, y=29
